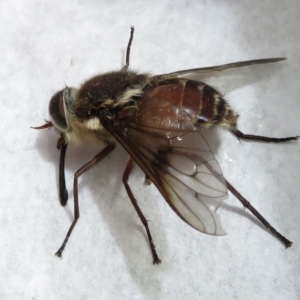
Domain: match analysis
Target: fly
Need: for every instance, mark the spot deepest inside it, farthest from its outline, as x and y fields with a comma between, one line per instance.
x=157, y=119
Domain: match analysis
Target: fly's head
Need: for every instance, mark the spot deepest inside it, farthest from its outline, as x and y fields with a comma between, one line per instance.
x=63, y=109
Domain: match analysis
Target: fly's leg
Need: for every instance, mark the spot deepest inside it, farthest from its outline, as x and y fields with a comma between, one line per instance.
x=63, y=192
x=127, y=171
x=241, y=135
x=248, y=205
x=125, y=68
x=83, y=169
x=245, y=202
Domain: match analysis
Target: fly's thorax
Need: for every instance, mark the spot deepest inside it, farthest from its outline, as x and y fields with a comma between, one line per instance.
x=109, y=90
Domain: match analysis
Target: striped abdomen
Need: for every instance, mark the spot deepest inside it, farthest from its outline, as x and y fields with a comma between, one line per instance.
x=203, y=104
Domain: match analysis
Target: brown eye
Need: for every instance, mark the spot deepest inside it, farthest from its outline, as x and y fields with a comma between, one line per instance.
x=57, y=111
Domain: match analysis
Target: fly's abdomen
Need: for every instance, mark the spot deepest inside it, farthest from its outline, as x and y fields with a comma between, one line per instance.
x=201, y=103
x=210, y=107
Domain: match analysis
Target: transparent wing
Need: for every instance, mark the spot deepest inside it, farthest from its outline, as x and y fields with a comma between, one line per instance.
x=219, y=68
x=180, y=164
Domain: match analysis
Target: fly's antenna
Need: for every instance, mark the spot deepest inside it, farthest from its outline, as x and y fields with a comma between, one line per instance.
x=125, y=68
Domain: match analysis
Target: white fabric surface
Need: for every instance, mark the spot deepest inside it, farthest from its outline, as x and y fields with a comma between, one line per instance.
x=47, y=44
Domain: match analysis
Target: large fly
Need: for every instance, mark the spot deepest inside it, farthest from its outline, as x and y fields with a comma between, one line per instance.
x=157, y=119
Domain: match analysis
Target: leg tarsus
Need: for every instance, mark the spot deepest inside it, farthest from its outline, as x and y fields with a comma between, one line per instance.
x=248, y=205
x=241, y=135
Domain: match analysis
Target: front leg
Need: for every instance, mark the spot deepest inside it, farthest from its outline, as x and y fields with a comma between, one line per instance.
x=83, y=169
x=63, y=192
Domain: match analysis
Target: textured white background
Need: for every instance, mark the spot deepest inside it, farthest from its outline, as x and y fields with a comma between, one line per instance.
x=45, y=44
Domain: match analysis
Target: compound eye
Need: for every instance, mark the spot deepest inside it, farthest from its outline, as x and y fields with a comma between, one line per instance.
x=57, y=110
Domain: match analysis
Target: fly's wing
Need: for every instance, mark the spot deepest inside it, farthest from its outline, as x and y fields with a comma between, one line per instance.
x=219, y=68
x=170, y=149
